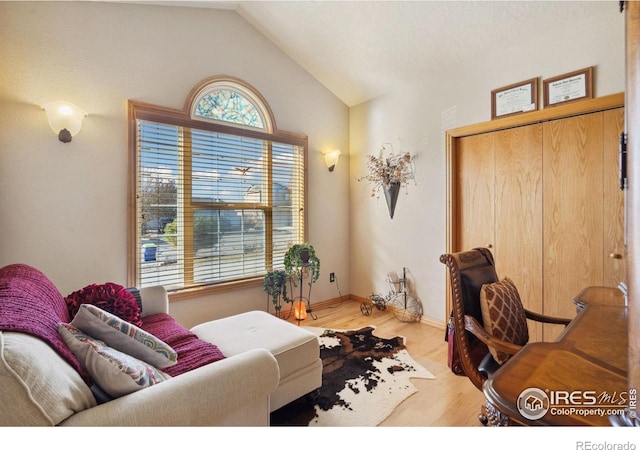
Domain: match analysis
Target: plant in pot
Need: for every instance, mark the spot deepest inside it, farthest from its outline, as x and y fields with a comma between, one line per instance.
x=301, y=261
x=275, y=285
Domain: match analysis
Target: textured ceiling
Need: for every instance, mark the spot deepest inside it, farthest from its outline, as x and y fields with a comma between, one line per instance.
x=361, y=49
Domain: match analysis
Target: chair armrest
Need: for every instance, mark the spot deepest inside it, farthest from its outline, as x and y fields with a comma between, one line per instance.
x=154, y=300
x=206, y=396
x=472, y=325
x=546, y=319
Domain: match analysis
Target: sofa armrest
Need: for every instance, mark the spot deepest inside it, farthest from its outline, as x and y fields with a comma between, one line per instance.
x=154, y=300
x=231, y=391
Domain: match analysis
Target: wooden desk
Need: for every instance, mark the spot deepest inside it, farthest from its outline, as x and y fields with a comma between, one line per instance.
x=590, y=355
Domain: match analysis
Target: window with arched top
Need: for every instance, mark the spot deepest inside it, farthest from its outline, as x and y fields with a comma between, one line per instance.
x=230, y=101
x=217, y=191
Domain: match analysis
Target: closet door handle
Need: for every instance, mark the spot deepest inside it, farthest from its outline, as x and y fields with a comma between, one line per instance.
x=615, y=256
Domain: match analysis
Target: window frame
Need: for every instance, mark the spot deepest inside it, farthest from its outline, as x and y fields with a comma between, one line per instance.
x=183, y=118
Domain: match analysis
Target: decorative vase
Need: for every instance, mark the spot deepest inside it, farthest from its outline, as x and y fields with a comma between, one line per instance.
x=391, y=192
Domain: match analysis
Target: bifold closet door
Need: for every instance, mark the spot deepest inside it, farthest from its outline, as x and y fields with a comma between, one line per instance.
x=545, y=198
x=518, y=214
x=573, y=212
x=475, y=192
x=499, y=185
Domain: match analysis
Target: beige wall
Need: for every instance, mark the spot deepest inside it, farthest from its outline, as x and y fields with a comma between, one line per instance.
x=416, y=117
x=63, y=206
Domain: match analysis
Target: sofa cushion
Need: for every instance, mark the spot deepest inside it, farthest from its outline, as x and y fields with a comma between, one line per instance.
x=503, y=315
x=109, y=297
x=294, y=347
x=124, y=336
x=114, y=371
x=41, y=387
x=192, y=351
x=31, y=303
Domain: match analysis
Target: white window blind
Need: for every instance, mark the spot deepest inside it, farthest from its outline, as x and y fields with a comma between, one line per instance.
x=213, y=207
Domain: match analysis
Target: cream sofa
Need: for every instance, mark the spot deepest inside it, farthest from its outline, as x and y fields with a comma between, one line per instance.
x=38, y=387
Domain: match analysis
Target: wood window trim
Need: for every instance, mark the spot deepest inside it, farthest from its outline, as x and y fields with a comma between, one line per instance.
x=137, y=110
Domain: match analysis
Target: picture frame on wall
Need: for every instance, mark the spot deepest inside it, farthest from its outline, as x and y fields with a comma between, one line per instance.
x=516, y=98
x=569, y=87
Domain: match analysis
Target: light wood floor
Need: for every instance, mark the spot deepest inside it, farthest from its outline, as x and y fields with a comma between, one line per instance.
x=449, y=400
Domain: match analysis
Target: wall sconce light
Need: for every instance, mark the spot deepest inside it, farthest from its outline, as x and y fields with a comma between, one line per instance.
x=65, y=119
x=331, y=159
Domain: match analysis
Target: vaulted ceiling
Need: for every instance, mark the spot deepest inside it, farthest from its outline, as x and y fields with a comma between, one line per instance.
x=361, y=49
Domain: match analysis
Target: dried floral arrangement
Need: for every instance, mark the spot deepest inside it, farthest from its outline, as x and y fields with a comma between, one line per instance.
x=395, y=168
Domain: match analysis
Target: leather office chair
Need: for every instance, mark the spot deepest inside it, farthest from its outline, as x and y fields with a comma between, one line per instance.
x=468, y=272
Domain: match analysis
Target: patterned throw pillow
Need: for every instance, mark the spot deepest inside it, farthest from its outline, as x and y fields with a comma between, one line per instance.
x=124, y=336
x=503, y=315
x=115, y=372
x=110, y=297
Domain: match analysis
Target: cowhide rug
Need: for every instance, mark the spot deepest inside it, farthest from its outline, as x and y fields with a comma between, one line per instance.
x=364, y=378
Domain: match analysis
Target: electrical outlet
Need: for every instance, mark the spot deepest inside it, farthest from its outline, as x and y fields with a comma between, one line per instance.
x=332, y=277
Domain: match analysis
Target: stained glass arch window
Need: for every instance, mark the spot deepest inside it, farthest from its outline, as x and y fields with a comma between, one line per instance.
x=233, y=102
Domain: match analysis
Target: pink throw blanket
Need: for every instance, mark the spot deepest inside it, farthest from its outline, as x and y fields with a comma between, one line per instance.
x=192, y=351
x=30, y=303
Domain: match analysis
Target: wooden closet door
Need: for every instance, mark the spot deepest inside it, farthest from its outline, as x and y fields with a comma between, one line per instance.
x=615, y=257
x=572, y=212
x=474, y=185
x=518, y=214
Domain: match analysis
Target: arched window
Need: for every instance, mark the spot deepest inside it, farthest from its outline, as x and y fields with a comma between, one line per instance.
x=218, y=190
x=225, y=100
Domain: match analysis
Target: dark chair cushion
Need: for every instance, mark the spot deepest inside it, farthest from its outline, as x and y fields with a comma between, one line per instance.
x=472, y=280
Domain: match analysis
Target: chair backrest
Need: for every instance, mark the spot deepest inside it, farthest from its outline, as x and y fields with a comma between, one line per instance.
x=468, y=271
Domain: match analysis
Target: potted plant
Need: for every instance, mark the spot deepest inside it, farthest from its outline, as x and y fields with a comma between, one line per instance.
x=275, y=285
x=301, y=260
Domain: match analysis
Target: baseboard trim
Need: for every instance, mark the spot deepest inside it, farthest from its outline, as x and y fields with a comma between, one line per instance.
x=354, y=298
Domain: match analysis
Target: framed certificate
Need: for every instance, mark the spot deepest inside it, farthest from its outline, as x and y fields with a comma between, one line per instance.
x=569, y=87
x=514, y=99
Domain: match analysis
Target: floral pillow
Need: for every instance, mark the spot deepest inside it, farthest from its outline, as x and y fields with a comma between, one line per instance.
x=115, y=372
x=109, y=297
x=124, y=336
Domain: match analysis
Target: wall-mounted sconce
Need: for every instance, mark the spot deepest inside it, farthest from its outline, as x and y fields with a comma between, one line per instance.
x=331, y=158
x=65, y=119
